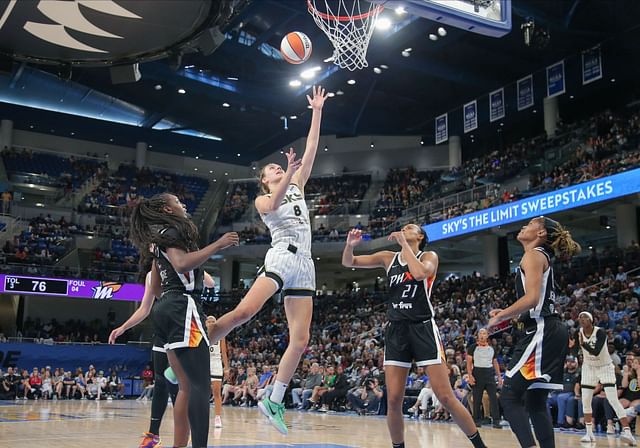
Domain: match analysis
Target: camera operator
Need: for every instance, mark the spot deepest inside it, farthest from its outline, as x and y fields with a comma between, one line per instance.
x=366, y=399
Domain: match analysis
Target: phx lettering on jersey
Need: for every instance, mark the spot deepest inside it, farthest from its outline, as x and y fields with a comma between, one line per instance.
x=399, y=279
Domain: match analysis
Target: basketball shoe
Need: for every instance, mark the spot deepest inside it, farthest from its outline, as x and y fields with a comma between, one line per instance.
x=275, y=413
x=150, y=441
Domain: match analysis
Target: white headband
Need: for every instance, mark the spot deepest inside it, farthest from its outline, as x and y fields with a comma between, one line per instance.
x=586, y=313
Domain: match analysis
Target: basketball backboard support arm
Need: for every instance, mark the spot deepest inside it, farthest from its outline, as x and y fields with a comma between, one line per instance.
x=487, y=17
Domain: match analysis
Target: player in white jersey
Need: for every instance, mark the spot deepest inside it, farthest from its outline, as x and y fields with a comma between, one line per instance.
x=218, y=365
x=288, y=265
x=597, y=367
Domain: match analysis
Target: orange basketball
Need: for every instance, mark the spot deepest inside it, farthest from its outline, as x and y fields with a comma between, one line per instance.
x=295, y=47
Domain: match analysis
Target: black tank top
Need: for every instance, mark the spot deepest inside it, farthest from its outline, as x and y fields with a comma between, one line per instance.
x=188, y=283
x=546, y=304
x=409, y=299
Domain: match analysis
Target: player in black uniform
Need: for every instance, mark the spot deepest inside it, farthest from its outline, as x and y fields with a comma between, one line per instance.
x=162, y=223
x=538, y=359
x=412, y=333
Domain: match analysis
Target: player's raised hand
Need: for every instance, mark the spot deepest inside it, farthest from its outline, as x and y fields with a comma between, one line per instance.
x=115, y=334
x=229, y=239
x=398, y=237
x=317, y=100
x=293, y=165
x=354, y=237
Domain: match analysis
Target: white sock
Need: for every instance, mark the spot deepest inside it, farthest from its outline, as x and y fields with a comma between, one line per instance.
x=626, y=429
x=589, y=427
x=277, y=394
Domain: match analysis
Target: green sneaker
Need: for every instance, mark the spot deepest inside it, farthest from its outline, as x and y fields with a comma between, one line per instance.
x=170, y=376
x=275, y=413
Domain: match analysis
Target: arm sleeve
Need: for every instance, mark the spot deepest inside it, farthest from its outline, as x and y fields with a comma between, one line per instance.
x=601, y=338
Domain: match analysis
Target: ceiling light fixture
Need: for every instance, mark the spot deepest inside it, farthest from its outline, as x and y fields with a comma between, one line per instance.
x=400, y=10
x=295, y=83
x=226, y=105
x=351, y=82
x=182, y=91
x=383, y=23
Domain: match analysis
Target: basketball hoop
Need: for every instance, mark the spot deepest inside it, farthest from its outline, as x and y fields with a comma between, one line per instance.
x=349, y=28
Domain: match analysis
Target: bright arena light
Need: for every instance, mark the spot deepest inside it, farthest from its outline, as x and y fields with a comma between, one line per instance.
x=442, y=32
x=310, y=73
x=295, y=83
x=400, y=10
x=383, y=23
x=351, y=82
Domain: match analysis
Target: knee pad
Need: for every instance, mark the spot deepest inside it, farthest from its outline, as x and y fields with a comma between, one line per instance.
x=612, y=398
x=587, y=398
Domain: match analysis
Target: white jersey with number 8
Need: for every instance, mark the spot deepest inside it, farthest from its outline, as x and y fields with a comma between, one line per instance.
x=290, y=224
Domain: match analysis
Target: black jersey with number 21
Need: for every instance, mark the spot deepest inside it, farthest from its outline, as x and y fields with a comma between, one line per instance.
x=409, y=299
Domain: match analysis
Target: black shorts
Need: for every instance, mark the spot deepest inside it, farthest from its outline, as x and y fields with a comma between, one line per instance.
x=179, y=322
x=158, y=345
x=540, y=353
x=406, y=342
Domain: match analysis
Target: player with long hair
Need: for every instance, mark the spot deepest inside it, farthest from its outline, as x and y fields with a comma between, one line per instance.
x=162, y=223
x=162, y=389
x=537, y=365
x=411, y=334
x=288, y=266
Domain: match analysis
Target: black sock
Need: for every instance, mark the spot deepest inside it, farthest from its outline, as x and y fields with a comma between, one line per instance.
x=160, y=392
x=397, y=445
x=477, y=440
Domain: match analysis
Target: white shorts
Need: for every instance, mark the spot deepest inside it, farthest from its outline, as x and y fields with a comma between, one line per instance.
x=591, y=376
x=294, y=274
x=215, y=368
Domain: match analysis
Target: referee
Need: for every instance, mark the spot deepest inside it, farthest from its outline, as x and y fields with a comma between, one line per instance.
x=483, y=367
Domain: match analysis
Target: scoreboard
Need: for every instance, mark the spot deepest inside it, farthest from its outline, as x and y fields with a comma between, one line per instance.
x=86, y=289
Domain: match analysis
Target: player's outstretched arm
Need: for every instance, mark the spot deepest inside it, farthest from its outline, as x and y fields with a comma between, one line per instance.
x=186, y=261
x=152, y=289
x=380, y=259
x=316, y=101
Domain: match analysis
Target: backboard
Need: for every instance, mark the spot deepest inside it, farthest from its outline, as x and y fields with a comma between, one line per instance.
x=488, y=17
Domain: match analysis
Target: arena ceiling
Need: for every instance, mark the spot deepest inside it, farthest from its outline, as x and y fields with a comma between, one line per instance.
x=235, y=97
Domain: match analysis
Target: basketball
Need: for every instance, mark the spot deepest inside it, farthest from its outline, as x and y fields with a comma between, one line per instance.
x=295, y=47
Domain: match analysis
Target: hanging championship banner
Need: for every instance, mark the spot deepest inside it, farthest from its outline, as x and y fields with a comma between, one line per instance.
x=555, y=79
x=470, y=114
x=525, y=92
x=442, y=129
x=496, y=105
x=591, y=65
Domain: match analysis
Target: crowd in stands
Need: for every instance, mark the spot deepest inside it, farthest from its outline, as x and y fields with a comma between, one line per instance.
x=68, y=173
x=342, y=367
x=119, y=191
x=46, y=240
x=57, y=384
x=325, y=195
x=605, y=144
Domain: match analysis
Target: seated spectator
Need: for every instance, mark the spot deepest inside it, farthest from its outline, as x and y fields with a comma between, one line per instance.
x=9, y=385
x=335, y=392
x=47, y=386
x=67, y=386
x=114, y=386
x=147, y=376
x=24, y=388
x=301, y=394
x=564, y=399
x=35, y=381
x=366, y=400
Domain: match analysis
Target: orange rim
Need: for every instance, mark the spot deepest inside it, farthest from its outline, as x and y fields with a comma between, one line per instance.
x=326, y=16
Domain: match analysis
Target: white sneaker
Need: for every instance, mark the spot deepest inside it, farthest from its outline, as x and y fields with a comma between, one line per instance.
x=627, y=437
x=588, y=438
x=218, y=422
x=611, y=430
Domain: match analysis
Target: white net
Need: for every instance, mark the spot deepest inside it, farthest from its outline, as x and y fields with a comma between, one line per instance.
x=348, y=24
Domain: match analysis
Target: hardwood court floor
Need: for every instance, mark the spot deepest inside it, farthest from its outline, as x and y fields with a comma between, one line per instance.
x=118, y=424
